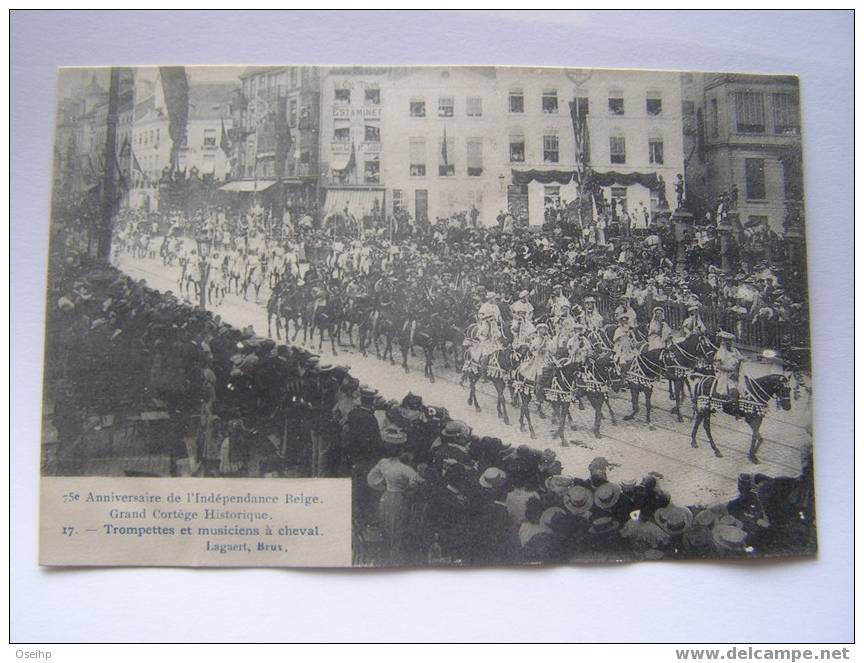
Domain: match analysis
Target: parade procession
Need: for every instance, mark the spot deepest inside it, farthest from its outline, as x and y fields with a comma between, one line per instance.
x=584, y=336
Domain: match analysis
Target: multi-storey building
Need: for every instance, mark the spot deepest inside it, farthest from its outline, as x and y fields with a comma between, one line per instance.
x=201, y=152
x=746, y=139
x=353, y=100
x=438, y=140
x=275, y=135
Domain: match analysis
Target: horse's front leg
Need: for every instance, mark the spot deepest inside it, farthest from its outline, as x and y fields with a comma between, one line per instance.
x=648, y=393
x=706, y=424
x=564, y=413
x=609, y=407
x=755, y=438
x=697, y=420
x=333, y=333
x=634, y=403
x=430, y=363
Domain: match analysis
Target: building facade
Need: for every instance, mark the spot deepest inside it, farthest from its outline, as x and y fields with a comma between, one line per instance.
x=201, y=153
x=351, y=175
x=747, y=139
x=274, y=136
x=441, y=140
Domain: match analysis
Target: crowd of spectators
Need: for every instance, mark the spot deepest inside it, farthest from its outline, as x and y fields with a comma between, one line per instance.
x=427, y=489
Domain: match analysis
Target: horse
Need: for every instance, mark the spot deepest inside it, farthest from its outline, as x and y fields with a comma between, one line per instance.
x=386, y=323
x=694, y=353
x=528, y=386
x=571, y=381
x=498, y=369
x=425, y=338
x=641, y=373
x=752, y=404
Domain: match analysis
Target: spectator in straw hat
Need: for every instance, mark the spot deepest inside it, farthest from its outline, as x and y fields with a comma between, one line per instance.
x=396, y=481
x=494, y=536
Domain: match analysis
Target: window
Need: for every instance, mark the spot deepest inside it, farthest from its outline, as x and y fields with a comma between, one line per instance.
x=550, y=149
x=688, y=108
x=292, y=113
x=372, y=172
x=342, y=134
x=785, y=113
x=445, y=106
x=617, y=150
x=446, y=152
x=417, y=157
x=517, y=148
x=421, y=205
x=475, y=157
x=582, y=106
x=618, y=194
x=417, y=108
x=474, y=107
x=157, y=135
x=517, y=101
x=551, y=195
x=550, y=101
x=750, y=112
x=373, y=96
x=209, y=137
x=754, y=173
x=343, y=96
x=398, y=200
x=655, y=151
x=373, y=133
x=653, y=103
x=616, y=103
x=305, y=157
x=714, y=118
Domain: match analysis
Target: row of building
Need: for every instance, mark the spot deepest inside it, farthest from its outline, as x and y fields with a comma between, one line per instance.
x=438, y=140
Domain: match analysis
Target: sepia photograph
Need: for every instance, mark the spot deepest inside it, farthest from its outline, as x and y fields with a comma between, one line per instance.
x=535, y=315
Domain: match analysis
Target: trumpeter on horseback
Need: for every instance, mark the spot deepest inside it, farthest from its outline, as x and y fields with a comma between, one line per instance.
x=624, y=342
x=727, y=364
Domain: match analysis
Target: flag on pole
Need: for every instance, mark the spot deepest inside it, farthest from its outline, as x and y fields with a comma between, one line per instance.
x=224, y=143
x=352, y=161
x=580, y=135
x=444, y=149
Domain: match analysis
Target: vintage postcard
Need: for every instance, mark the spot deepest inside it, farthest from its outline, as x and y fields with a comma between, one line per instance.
x=417, y=316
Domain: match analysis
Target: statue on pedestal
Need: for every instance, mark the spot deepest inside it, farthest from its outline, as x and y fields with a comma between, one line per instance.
x=679, y=191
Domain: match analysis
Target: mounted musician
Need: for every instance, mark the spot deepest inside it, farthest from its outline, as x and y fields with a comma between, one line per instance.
x=659, y=332
x=565, y=328
x=693, y=323
x=625, y=345
x=591, y=317
x=727, y=364
x=557, y=302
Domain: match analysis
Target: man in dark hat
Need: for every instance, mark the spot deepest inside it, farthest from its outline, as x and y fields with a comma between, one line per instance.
x=361, y=445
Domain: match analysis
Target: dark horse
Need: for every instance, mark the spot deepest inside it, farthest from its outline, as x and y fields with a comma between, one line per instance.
x=324, y=317
x=752, y=405
x=572, y=381
x=426, y=339
x=498, y=369
x=673, y=363
x=680, y=359
x=384, y=322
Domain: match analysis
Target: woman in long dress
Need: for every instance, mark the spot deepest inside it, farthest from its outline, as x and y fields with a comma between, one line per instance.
x=396, y=480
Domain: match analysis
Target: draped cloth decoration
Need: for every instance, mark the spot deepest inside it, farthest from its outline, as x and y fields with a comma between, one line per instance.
x=648, y=180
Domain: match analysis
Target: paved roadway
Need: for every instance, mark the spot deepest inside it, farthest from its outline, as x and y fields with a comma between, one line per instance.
x=692, y=476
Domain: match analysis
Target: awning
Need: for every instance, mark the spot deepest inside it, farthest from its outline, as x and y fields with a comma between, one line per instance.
x=247, y=186
x=359, y=202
